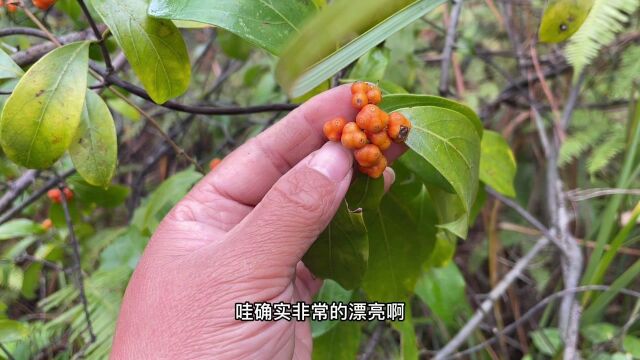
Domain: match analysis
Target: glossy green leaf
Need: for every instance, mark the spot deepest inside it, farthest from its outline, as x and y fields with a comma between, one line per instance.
x=396, y=102
x=154, y=47
x=86, y=193
x=11, y=330
x=547, y=341
x=443, y=290
x=266, y=23
x=401, y=238
x=497, y=163
x=425, y=171
x=562, y=18
x=342, y=342
x=443, y=250
x=19, y=228
x=330, y=292
x=341, y=251
x=448, y=142
x=8, y=68
x=340, y=34
x=40, y=118
x=94, y=150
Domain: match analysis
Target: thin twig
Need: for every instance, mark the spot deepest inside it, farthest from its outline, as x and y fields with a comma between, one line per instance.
x=17, y=187
x=448, y=47
x=98, y=34
x=374, y=339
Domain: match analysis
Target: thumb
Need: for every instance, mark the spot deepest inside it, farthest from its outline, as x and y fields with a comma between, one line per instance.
x=296, y=209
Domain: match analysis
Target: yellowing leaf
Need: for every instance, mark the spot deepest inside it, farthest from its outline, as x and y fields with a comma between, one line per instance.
x=94, y=150
x=154, y=47
x=562, y=18
x=497, y=163
x=40, y=118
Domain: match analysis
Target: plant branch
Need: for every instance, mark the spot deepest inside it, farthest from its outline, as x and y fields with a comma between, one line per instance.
x=447, y=53
x=98, y=35
x=17, y=187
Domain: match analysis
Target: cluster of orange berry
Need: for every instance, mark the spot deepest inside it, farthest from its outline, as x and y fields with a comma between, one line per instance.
x=372, y=132
x=12, y=5
x=55, y=195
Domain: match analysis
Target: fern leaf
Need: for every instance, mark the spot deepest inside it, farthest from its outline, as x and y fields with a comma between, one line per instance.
x=606, y=19
x=607, y=150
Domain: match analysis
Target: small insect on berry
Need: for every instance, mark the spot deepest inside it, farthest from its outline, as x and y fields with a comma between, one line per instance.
x=377, y=170
x=353, y=137
x=399, y=127
x=368, y=156
x=359, y=100
x=372, y=119
x=380, y=139
x=359, y=87
x=333, y=128
x=374, y=96
x=43, y=4
x=46, y=224
x=214, y=163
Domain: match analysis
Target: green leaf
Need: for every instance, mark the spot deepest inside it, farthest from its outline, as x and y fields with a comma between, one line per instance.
x=631, y=345
x=341, y=251
x=11, y=330
x=372, y=66
x=94, y=150
x=233, y=45
x=86, y=193
x=154, y=47
x=164, y=198
x=547, y=341
x=600, y=332
x=19, y=228
x=397, y=102
x=8, y=68
x=342, y=342
x=443, y=290
x=330, y=292
x=497, y=163
x=401, y=236
x=408, y=341
x=562, y=18
x=340, y=34
x=448, y=142
x=40, y=118
x=266, y=23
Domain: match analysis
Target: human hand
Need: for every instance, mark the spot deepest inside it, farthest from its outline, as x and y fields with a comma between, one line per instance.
x=239, y=236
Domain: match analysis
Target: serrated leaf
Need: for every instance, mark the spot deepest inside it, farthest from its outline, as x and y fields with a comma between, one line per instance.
x=448, y=141
x=94, y=150
x=266, y=23
x=11, y=330
x=154, y=47
x=40, y=118
x=19, y=228
x=562, y=18
x=401, y=237
x=497, y=163
x=340, y=34
x=8, y=68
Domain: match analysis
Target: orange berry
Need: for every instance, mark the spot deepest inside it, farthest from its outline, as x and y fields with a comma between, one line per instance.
x=368, y=156
x=399, y=127
x=214, y=163
x=46, y=224
x=376, y=170
x=359, y=87
x=380, y=139
x=43, y=4
x=333, y=128
x=372, y=119
x=374, y=96
x=68, y=194
x=55, y=195
x=11, y=7
x=359, y=100
x=353, y=137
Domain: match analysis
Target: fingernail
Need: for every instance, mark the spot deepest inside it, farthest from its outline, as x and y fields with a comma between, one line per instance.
x=332, y=161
